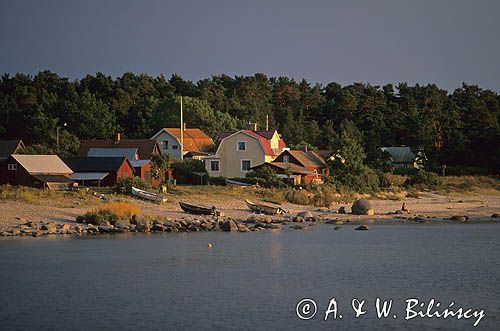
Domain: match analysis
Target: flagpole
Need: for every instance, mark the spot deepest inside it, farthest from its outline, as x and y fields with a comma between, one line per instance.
x=182, y=134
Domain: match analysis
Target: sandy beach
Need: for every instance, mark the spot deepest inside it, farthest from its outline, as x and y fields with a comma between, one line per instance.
x=430, y=205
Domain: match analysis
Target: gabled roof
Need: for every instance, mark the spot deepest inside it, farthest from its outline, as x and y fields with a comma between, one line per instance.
x=400, y=154
x=263, y=141
x=267, y=135
x=129, y=153
x=95, y=164
x=145, y=147
x=292, y=168
x=309, y=159
x=8, y=147
x=194, y=139
x=42, y=164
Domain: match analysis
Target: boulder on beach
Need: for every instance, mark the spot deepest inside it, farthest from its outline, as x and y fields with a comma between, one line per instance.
x=228, y=225
x=337, y=228
x=306, y=215
x=362, y=207
x=459, y=218
x=298, y=219
x=362, y=228
x=342, y=210
x=495, y=215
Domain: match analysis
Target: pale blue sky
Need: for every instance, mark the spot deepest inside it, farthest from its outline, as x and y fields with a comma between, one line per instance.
x=442, y=42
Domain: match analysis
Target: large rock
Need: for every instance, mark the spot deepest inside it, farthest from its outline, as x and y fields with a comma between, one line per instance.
x=228, y=225
x=341, y=210
x=362, y=228
x=306, y=215
x=362, y=207
x=459, y=218
x=495, y=215
x=298, y=219
x=49, y=227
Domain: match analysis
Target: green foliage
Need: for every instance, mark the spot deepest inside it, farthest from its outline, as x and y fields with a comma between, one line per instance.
x=265, y=176
x=323, y=197
x=187, y=171
x=459, y=129
x=159, y=167
x=124, y=185
x=98, y=217
x=218, y=180
x=423, y=179
x=298, y=197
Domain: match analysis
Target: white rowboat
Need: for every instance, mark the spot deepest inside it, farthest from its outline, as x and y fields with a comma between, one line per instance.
x=148, y=195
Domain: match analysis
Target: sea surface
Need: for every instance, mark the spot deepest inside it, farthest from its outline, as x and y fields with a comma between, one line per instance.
x=250, y=281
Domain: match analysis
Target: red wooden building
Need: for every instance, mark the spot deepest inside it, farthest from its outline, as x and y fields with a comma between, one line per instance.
x=42, y=171
x=99, y=171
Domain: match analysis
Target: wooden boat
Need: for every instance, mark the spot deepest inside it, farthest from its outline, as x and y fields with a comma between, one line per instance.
x=230, y=182
x=155, y=197
x=198, y=210
x=265, y=209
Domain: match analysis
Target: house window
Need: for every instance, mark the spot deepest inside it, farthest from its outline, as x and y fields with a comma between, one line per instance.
x=214, y=166
x=165, y=144
x=174, y=146
x=286, y=158
x=246, y=165
x=12, y=166
x=242, y=146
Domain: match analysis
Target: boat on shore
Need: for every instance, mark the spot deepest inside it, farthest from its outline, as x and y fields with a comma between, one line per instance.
x=265, y=209
x=230, y=182
x=198, y=210
x=155, y=197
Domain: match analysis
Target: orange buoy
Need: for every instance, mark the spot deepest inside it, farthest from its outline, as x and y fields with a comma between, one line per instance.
x=209, y=245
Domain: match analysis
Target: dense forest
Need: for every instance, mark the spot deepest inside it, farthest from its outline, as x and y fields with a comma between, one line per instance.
x=52, y=113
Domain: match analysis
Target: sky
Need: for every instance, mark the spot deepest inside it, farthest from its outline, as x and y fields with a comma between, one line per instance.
x=427, y=41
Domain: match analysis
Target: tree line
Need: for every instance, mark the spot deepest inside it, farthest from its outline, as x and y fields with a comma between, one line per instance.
x=52, y=113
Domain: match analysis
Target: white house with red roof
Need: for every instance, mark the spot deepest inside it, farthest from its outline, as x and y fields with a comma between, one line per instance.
x=237, y=152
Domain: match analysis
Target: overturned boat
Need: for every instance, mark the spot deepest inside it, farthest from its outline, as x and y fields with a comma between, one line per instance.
x=265, y=209
x=230, y=182
x=155, y=197
x=198, y=210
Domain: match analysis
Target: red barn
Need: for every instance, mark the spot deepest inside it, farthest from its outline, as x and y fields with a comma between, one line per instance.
x=43, y=171
x=99, y=171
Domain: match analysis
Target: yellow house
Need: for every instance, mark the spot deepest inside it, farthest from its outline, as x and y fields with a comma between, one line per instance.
x=238, y=152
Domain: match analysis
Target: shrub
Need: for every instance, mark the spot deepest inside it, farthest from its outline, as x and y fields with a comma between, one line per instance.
x=185, y=171
x=323, y=198
x=111, y=212
x=265, y=176
x=404, y=171
x=220, y=181
x=123, y=210
x=298, y=197
x=124, y=185
x=423, y=179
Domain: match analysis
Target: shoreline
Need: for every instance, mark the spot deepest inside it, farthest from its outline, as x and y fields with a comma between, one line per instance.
x=60, y=213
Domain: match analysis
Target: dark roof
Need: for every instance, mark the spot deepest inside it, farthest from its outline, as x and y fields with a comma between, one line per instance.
x=309, y=159
x=291, y=167
x=145, y=147
x=95, y=164
x=8, y=147
x=52, y=178
x=400, y=154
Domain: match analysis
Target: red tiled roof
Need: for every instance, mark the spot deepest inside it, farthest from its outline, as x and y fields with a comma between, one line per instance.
x=263, y=141
x=195, y=140
x=145, y=147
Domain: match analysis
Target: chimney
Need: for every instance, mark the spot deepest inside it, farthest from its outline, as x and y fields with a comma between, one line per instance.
x=252, y=126
x=117, y=138
x=304, y=148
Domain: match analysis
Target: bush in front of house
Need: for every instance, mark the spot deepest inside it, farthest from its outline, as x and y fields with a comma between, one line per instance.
x=187, y=172
x=265, y=176
x=219, y=181
x=124, y=185
x=423, y=179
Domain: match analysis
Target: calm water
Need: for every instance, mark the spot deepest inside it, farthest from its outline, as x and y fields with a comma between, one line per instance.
x=248, y=280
